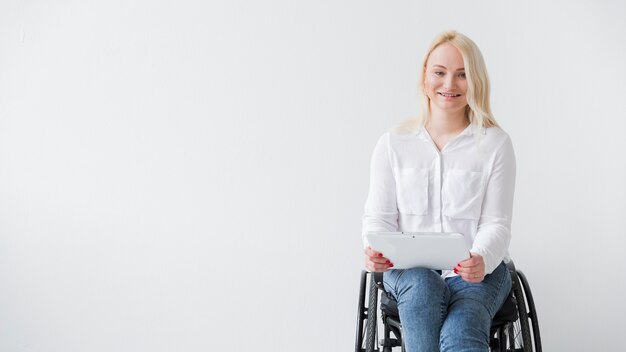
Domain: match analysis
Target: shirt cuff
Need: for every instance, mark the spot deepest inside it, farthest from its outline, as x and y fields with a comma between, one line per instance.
x=488, y=259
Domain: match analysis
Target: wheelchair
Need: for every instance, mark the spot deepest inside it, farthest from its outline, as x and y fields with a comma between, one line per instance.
x=514, y=327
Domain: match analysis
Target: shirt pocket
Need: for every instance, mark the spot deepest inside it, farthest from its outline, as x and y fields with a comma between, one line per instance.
x=462, y=194
x=412, y=190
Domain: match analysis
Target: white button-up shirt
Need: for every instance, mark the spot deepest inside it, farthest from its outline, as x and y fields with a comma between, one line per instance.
x=467, y=187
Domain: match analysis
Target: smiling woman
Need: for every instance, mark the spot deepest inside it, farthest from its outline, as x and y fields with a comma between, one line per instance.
x=445, y=80
x=450, y=170
x=453, y=65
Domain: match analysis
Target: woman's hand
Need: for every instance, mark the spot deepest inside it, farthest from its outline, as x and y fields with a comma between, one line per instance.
x=472, y=269
x=375, y=262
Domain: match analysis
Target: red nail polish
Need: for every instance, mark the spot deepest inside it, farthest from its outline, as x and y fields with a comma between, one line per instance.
x=391, y=265
x=380, y=254
x=388, y=262
x=455, y=271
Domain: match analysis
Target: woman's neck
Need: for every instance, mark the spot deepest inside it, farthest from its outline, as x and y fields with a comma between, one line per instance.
x=443, y=127
x=441, y=123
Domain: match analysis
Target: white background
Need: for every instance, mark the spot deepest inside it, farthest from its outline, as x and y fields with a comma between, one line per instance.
x=190, y=176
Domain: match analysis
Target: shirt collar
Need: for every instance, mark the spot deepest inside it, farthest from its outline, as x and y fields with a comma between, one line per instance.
x=468, y=131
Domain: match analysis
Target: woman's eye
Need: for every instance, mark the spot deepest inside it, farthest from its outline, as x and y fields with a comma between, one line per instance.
x=438, y=73
x=462, y=75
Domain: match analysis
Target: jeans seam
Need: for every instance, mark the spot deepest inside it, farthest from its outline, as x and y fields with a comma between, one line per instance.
x=444, y=307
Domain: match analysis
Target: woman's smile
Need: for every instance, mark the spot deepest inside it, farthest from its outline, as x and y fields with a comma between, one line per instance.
x=449, y=96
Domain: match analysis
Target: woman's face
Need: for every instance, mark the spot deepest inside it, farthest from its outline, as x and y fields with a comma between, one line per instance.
x=445, y=81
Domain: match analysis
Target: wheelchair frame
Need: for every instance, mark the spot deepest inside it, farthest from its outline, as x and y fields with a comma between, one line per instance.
x=521, y=334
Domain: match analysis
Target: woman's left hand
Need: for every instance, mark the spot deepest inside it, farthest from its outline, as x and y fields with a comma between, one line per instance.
x=472, y=269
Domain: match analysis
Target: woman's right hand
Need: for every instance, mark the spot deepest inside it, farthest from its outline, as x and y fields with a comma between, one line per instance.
x=375, y=262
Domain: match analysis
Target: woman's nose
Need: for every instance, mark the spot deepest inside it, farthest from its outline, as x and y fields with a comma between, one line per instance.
x=450, y=82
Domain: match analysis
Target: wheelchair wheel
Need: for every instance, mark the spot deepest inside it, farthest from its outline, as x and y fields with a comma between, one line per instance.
x=372, y=317
x=367, y=316
x=519, y=335
x=532, y=312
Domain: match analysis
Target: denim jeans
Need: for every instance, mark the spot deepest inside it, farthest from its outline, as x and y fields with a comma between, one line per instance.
x=446, y=314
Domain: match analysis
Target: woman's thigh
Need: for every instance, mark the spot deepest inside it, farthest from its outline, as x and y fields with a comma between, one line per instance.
x=422, y=297
x=419, y=281
x=490, y=293
x=472, y=307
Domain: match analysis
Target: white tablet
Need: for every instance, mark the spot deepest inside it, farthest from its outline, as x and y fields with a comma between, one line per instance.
x=432, y=250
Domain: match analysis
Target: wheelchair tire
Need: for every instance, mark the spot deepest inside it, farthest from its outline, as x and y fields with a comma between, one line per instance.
x=372, y=317
x=361, y=313
x=521, y=326
x=532, y=311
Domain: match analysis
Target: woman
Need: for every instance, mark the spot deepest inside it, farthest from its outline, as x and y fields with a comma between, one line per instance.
x=450, y=170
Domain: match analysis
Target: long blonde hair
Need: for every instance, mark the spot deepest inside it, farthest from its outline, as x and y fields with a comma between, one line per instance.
x=478, y=109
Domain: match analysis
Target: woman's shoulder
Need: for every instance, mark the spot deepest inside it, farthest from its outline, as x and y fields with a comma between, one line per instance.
x=495, y=135
x=402, y=140
x=497, y=141
x=394, y=136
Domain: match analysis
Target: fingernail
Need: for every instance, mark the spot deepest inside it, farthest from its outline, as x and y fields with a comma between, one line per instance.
x=380, y=254
x=455, y=271
x=388, y=262
x=391, y=265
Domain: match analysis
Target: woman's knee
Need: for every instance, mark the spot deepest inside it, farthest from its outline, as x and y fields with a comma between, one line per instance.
x=418, y=280
x=466, y=327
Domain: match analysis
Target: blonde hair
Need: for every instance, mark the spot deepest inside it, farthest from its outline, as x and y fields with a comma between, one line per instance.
x=478, y=109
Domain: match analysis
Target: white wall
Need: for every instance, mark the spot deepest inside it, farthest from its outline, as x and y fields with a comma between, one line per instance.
x=186, y=175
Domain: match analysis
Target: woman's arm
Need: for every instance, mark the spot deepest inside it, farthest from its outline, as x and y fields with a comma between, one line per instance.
x=381, y=211
x=494, y=226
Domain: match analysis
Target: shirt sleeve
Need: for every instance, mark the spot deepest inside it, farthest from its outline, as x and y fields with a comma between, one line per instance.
x=494, y=226
x=381, y=210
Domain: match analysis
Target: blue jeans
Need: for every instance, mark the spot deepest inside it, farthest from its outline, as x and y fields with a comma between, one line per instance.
x=446, y=314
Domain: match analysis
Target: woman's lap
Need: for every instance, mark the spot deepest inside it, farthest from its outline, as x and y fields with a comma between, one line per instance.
x=448, y=314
